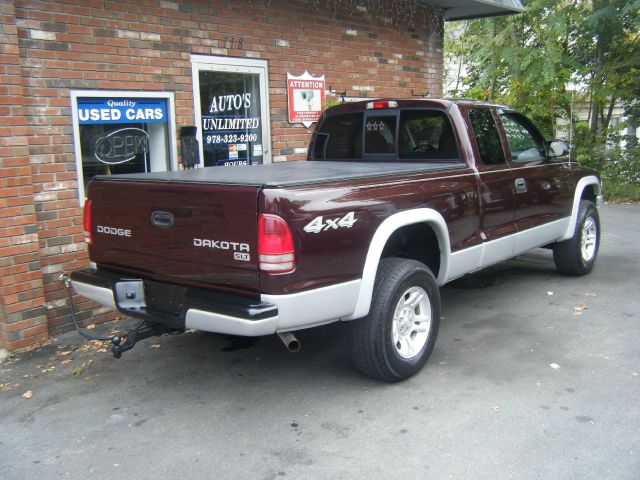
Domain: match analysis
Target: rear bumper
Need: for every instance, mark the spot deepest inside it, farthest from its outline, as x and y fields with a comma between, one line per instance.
x=182, y=307
x=176, y=306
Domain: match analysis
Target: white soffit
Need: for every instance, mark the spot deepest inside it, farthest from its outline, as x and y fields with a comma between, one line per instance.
x=464, y=9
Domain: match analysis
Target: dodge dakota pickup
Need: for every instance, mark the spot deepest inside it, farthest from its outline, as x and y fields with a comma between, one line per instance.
x=396, y=198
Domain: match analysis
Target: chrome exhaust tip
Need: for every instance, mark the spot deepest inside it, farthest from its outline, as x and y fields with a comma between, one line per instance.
x=290, y=341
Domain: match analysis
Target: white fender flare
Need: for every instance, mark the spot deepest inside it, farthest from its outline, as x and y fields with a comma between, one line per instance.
x=387, y=228
x=582, y=184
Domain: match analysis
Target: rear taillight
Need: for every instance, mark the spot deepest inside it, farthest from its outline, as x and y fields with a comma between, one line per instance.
x=275, y=245
x=88, y=233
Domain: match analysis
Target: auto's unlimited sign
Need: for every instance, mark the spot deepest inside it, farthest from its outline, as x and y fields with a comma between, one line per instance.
x=306, y=97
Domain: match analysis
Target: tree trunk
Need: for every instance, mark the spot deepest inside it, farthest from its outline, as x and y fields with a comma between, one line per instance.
x=595, y=102
x=607, y=119
x=494, y=63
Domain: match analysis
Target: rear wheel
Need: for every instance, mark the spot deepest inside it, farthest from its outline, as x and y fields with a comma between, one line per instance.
x=395, y=340
x=577, y=255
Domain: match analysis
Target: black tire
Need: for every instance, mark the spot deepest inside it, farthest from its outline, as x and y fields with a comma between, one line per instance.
x=372, y=337
x=577, y=255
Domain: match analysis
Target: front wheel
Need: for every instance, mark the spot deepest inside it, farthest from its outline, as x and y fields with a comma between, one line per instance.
x=577, y=255
x=395, y=340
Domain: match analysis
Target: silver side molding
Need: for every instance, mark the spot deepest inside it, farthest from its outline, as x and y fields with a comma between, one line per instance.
x=489, y=253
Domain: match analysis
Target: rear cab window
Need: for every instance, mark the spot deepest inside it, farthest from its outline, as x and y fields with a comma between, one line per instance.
x=426, y=135
x=339, y=138
x=406, y=135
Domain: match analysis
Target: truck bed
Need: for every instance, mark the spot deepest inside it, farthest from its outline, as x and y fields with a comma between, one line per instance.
x=287, y=174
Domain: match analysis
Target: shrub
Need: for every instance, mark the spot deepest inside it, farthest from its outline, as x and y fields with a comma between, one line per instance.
x=620, y=169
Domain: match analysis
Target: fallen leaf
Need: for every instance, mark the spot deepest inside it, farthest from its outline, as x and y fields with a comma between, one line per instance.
x=155, y=345
x=91, y=327
x=65, y=362
x=76, y=371
x=555, y=366
x=28, y=394
x=580, y=309
x=64, y=354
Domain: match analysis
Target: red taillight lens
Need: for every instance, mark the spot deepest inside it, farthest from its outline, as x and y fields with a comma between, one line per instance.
x=275, y=245
x=88, y=233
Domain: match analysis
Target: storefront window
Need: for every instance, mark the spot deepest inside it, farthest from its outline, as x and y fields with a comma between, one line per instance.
x=231, y=105
x=117, y=133
x=231, y=126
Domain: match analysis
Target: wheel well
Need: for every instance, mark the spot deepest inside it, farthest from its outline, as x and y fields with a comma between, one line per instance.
x=417, y=242
x=589, y=193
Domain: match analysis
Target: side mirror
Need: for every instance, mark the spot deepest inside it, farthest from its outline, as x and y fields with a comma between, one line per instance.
x=558, y=148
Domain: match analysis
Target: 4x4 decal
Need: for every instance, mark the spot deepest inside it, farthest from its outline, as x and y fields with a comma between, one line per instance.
x=321, y=224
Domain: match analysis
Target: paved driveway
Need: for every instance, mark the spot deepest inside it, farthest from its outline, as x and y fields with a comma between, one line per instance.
x=489, y=404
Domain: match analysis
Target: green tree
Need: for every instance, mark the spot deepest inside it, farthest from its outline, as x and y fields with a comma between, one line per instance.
x=607, y=53
x=528, y=60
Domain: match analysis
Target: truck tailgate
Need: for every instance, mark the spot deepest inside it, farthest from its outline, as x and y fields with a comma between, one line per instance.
x=193, y=234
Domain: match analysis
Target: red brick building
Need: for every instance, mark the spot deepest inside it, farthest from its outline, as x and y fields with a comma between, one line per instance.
x=104, y=86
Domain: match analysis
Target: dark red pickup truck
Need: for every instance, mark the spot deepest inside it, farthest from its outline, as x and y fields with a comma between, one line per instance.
x=397, y=198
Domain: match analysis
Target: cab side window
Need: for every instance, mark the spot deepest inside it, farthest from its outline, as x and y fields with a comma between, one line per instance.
x=525, y=142
x=487, y=136
x=339, y=138
x=426, y=135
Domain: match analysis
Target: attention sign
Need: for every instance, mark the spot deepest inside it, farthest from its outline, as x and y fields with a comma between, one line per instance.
x=306, y=97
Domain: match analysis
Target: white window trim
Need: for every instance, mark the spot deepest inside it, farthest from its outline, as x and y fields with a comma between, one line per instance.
x=238, y=65
x=171, y=127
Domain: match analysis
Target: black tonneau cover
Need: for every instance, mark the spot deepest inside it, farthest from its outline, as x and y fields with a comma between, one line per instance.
x=284, y=174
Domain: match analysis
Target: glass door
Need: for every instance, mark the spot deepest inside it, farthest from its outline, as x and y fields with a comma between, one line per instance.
x=231, y=106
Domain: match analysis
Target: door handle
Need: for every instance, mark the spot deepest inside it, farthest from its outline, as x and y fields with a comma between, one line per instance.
x=521, y=185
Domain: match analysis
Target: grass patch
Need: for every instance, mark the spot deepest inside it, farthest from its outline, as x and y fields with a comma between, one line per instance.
x=623, y=192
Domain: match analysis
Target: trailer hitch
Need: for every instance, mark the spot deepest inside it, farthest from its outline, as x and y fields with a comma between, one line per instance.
x=142, y=331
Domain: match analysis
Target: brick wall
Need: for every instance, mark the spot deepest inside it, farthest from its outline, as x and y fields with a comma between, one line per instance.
x=23, y=320
x=52, y=47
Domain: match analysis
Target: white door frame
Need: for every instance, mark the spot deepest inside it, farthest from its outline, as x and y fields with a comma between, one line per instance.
x=235, y=65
